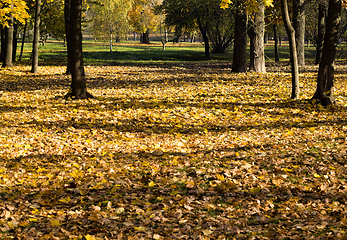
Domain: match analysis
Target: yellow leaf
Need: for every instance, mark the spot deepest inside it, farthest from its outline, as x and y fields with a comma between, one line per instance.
x=255, y=190
x=151, y=184
x=55, y=223
x=88, y=141
x=119, y=210
x=90, y=237
x=207, y=232
x=33, y=219
x=317, y=175
x=140, y=228
x=220, y=177
x=190, y=184
x=65, y=200
x=287, y=170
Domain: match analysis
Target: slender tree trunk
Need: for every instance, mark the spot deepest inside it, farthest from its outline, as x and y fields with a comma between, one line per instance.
x=240, y=41
x=15, y=41
x=203, y=30
x=78, y=84
x=299, y=26
x=23, y=41
x=257, y=57
x=35, y=52
x=325, y=80
x=3, y=43
x=111, y=44
x=277, y=56
x=321, y=24
x=8, y=45
x=67, y=9
x=292, y=46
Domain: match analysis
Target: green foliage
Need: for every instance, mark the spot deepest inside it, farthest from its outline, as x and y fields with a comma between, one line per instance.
x=108, y=18
x=190, y=15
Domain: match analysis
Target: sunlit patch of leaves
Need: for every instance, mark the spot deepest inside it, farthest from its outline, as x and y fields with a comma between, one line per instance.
x=170, y=151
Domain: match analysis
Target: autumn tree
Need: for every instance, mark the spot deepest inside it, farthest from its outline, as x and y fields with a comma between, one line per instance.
x=299, y=26
x=10, y=10
x=52, y=20
x=109, y=19
x=78, y=88
x=240, y=39
x=35, y=51
x=256, y=34
x=143, y=18
x=292, y=48
x=325, y=80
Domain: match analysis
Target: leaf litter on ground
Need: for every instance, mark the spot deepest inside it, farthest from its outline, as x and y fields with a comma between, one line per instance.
x=170, y=152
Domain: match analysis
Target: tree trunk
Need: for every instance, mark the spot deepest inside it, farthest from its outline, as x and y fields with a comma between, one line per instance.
x=203, y=30
x=23, y=41
x=15, y=41
x=35, y=52
x=8, y=45
x=321, y=24
x=299, y=26
x=257, y=56
x=78, y=84
x=67, y=9
x=292, y=48
x=3, y=43
x=240, y=41
x=277, y=56
x=325, y=80
x=145, y=37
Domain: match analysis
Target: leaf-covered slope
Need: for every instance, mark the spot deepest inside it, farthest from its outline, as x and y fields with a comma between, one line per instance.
x=168, y=152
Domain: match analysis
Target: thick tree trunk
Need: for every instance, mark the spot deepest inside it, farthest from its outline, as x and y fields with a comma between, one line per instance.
x=321, y=24
x=257, y=56
x=299, y=26
x=292, y=46
x=78, y=84
x=67, y=8
x=23, y=41
x=325, y=80
x=8, y=45
x=145, y=37
x=277, y=56
x=35, y=51
x=240, y=41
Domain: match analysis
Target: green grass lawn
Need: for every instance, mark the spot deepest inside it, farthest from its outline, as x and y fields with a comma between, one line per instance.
x=98, y=53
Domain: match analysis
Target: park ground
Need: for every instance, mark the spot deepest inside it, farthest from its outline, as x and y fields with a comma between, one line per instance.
x=171, y=150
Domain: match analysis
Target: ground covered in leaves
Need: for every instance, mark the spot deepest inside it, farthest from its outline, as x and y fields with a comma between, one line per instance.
x=177, y=151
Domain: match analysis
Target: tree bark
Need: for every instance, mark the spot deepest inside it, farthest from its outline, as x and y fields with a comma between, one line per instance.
x=23, y=41
x=203, y=30
x=299, y=26
x=67, y=8
x=257, y=56
x=3, y=43
x=35, y=51
x=240, y=41
x=15, y=41
x=292, y=47
x=325, y=80
x=145, y=37
x=78, y=84
x=277, y=56
x=8, y=45
x=321, y=24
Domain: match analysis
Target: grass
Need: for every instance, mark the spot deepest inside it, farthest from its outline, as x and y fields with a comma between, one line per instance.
x=97, y=53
